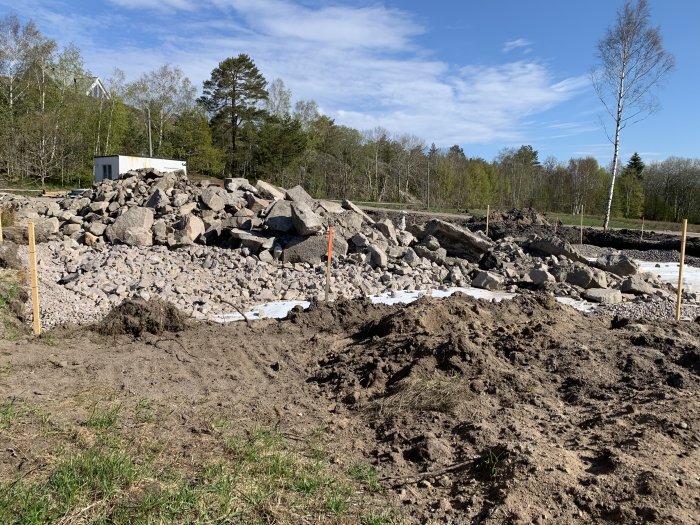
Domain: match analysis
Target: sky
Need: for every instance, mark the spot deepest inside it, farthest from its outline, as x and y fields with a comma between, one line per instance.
x=482, y=75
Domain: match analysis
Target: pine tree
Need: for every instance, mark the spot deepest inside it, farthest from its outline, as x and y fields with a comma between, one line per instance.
x=231, y=97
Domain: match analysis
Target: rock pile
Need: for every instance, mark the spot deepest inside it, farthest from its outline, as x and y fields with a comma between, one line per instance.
x=203, y=247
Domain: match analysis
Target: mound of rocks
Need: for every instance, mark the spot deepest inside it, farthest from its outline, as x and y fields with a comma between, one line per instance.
x=169, y=218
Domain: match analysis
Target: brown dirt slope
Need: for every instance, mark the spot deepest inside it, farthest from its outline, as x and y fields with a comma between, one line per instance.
x=523, y=411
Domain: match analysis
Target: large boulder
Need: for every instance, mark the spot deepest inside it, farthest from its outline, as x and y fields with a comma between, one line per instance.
x=298, y=194
x=557, y=246
x=540, y=277
x=158, y=199
x=488, y=281
x=350, y=206
x=377, y=256
x=45, y=229
x=131, y=227
x=458, y=242
x=312, y=249
x=618, y=264
x=305, y=221
x=581, y=276
x=279, y=218
x=636, y=285
x=252, y=240
x=269, y=191
x=9, y=256
x=238, y=184
x=214, y=198
x=189, y=229
x=387, y=228
x=603, y=295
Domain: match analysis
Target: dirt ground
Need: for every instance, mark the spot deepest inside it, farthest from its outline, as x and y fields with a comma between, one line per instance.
x=524, y=411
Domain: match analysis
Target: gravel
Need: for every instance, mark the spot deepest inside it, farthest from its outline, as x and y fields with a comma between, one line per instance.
x=80, y=284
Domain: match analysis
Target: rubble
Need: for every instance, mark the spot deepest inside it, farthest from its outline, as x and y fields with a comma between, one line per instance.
x=277, y=228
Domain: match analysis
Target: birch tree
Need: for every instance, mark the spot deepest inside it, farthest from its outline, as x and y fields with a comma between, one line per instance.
x=633, y=62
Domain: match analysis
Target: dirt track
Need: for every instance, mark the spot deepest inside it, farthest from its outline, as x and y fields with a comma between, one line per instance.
x=523, y=411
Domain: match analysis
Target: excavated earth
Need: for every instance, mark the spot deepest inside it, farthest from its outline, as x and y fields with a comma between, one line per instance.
x=523, y=411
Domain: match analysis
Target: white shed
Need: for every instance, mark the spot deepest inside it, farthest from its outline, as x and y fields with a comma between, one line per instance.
x=112, y=166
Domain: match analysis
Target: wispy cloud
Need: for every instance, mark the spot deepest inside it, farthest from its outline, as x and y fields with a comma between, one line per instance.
x=519, y=43
x=363, y=65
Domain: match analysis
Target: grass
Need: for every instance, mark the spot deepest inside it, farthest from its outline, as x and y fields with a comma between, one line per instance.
x=491, y=463
x=111, y=476
x=419, y=394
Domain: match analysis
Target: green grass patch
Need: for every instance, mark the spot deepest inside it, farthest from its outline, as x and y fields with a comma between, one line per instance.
x=257, y=478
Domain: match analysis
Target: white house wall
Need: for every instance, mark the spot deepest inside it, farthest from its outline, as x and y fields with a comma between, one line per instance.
x=127, y=163
x=120, y=164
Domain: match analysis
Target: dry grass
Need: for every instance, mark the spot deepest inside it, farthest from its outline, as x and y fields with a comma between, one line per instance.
x=424, y=394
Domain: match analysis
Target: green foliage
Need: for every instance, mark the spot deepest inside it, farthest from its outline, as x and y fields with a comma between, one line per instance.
x=231, y=97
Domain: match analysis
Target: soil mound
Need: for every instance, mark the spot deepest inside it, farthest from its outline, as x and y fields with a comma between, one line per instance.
x=480, y=409
x=134, y=317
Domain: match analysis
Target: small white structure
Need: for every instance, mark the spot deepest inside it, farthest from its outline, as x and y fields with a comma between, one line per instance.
x=112, y=166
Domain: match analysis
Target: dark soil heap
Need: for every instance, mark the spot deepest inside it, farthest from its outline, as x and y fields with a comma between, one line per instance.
x=134, y=317
x=526, y=411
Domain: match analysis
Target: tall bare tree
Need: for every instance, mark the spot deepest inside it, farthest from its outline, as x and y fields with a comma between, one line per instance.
x=633, y=62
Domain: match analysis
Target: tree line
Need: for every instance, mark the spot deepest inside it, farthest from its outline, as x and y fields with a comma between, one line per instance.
x=243, y=125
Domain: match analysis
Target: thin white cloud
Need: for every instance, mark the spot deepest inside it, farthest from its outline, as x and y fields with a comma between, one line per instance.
x=363, y=65
x=518, y=43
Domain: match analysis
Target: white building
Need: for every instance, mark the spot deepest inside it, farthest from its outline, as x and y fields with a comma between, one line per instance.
x=112, y=166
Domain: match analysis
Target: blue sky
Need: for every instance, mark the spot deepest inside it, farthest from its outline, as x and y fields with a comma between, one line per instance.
x=484, y=75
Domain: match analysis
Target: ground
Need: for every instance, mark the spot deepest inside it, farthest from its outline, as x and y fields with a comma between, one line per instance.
x=442, y=411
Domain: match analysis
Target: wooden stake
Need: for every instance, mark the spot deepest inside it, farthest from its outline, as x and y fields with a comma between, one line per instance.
x=488, y=212
x=581, y=229
x=34, y=280
x=1, y=237
x=328, y=262
x=680, y=272
x=641, y=235
x=556, y=225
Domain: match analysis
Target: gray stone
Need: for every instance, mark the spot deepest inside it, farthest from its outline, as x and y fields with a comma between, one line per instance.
x=636, y=285
x=189, y=229
x=252, y=240
x=347, y=223
x=557, y=246
x=214, y=198
x=134, y=218
x=45, y=229
x=438, y=256
x=298, y=194
x=138, y=237
x=329, y=207
x=9, y=256
x=458, y=242
x=158, y=199
x=70, y=228
x=377, y=256
x=269, y=191
x=603, y=295
x=255, y=204
x=618, y=264
x=350, y=206
x=279, y=218
x=541, y=277
x=238, y=184
x=180, y=199
x=412, y=258
x=581, y=276
x=312, y=249
x=431, y=243
x=488, y=281
x=405, y=238
x=97, y=228
x=305, y=221
x=387, y=228
x=99, y=207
